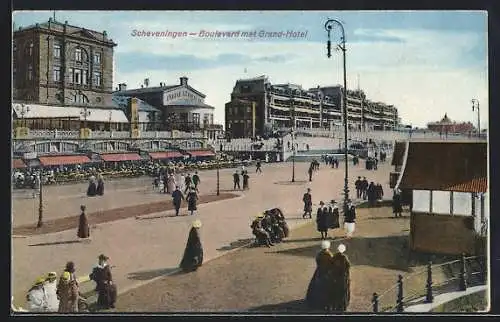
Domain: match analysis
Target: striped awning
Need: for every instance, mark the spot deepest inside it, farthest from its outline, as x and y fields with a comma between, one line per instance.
x=117, y=157
x=165, y=155
x=474, y=185
x=18, y=164
x=201, y=153
x=63, y=160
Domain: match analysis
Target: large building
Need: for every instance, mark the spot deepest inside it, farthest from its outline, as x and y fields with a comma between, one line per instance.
x=257, y=107
x=446, y=125
x=60, y=64
x=181, y=107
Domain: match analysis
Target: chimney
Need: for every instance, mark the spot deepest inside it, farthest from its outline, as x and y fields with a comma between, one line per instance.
x=184, y=80
x=122, y=87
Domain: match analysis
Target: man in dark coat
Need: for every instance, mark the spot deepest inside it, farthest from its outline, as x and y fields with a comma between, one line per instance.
x=321, y=220
x=105, y=288
x=245, y=180
x=196, y=180
x=307, y=199
x=380, y=192
x=192, y=199
x=187, y=181
x=364, y=187
x=177, y=198
x=83, y=225
x=310, y=172
x=193, y=253
x=357, y=184
x=397, y=207
x=236, y=180
x=258, y=167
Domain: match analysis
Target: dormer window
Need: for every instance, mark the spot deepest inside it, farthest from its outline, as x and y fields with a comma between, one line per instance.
x=78, y=55
x=97, y=58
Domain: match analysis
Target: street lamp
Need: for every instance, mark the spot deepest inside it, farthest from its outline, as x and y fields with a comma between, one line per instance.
x=475, y=104
x=40, y=204
x=218, y=167
x=292, y=132
x=341, y=45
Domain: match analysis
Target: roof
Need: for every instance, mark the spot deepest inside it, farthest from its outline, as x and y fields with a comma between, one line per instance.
x=122, y=102
x=446, y=166
x=399, y=153
x=63, y=159
x=190, y=103
x=116, y=157
x=165, y=155
x=45, y=111
x=156, y=89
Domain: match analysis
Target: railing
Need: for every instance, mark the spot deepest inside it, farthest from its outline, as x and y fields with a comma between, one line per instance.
x=454, y=275
x=75, y=134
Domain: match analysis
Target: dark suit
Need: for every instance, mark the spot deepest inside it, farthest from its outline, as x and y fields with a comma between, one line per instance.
x=177, y=198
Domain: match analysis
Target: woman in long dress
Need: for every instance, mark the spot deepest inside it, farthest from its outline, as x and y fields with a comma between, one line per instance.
x=92, y=189
x=192, y=199
x=193, y=253
x=100, y=185
x=321, y=220
x=170, y=184
x=317, y=292
x=340, y=289
x=83, y=225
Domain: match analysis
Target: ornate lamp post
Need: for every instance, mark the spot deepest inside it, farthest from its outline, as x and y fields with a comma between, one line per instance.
x=292, y=132
x=110, y=119
x=330, y=23
x=475, y=104
x=40, y=205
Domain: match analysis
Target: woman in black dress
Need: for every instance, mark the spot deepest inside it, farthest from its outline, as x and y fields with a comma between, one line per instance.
x=92, y=189
x=193, y=253
x=192, y=199
x=83, y=225
x=321, y=220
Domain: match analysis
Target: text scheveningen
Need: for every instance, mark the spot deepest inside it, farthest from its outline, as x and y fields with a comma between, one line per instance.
x=252, y=34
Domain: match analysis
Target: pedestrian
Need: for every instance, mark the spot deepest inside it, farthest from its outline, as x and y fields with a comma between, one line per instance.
x=236, y=180
x=372, y=194
x=68, y=290
x=36, y=297
x=307, y=199
x=258, y=167
x=358, y=185
x=193, y=253
x=192, y=199
x=380, y=192
x=187, y=182
x=310, y=172
x=333, y=214
x=321, y=220
x=245, y=180
x=196, y=180
x=83, y=225
x=177, y=198
x=182, y=182
x=397, y=207
x=340, y=289
x=364, y=188
x=92, y=188
x=50, y=287
x=100, y=185
x=171, y=183
x=350, y=219
x=318, y=289
x=105, y=288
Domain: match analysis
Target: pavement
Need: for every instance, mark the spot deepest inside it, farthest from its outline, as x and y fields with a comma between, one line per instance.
x=144, y=249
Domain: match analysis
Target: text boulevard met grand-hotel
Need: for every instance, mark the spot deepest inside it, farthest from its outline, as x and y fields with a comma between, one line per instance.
x=257, y=105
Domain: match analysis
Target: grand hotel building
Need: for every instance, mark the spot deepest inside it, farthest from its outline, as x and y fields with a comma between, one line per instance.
x=257, y=106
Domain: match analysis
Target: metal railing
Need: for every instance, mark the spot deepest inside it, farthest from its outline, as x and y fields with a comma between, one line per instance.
x=453, y=275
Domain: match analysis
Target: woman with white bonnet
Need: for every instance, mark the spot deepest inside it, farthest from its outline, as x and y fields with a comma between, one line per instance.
x=340, y=289
x=317, y=292
x=193, y=253
x=350, y=219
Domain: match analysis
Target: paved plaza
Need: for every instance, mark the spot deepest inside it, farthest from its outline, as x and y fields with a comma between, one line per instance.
x=136, y=246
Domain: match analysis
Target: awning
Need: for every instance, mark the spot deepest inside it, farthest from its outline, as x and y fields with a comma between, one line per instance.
x=117, y=157
x=63, y=160
x=165, y=155
x=201, y=153
x=18, y=164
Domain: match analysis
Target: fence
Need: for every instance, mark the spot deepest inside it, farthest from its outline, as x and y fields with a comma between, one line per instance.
x=440, y=278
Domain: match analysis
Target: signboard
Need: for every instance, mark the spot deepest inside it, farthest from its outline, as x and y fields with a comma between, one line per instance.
x=85, y=133
x=22, y=132
x=182, y=94
x=30, y=155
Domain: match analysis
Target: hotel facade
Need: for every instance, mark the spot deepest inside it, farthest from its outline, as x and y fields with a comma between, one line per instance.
x=258, y=107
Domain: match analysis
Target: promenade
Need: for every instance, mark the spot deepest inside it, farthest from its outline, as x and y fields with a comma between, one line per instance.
x=138, y=247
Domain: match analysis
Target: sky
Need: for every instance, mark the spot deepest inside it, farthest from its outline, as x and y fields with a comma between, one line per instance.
x=426, y=63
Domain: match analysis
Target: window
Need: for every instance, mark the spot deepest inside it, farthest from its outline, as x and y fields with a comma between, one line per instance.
x=249, y=109
x=84, y=77
x=30, y=72
x=80, y=98
x=441, y=202
x=462, y=203
x=196, y=118
x=14, y=50
x=71, y=73
x=30, y=49
x=97, y=58
x=78, y=54
x=421, y=199
x=230, y=111
x=57, y=51
x=97, y=79
x=57, y=74
x=205, y=119
x=77, y=76
x=211, y=119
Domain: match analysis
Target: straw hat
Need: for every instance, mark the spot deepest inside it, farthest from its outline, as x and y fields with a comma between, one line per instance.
x=341, y=248
x=66, y=276
x=39, y=281
x=196, y=223
x=52, y=275
x=325, y=244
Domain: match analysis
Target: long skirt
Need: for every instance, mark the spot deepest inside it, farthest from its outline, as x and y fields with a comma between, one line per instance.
x=349, y=228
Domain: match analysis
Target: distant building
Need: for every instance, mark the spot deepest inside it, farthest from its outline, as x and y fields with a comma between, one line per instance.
x=180, y=106
x=285, y=106
x=59, y=64
x=446, y=125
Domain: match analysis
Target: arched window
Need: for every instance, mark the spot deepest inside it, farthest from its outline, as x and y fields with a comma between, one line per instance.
x=80, y=98
x=29, y=49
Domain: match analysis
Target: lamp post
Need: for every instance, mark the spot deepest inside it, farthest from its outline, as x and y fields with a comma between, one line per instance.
x=218, y=180
x=475, y=104
x=330, y=23
x=110, y=118
x=292, y=132
x=40, y=204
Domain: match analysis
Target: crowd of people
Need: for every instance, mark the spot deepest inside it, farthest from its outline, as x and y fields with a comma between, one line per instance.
x=270, y=227
x=369, y=191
